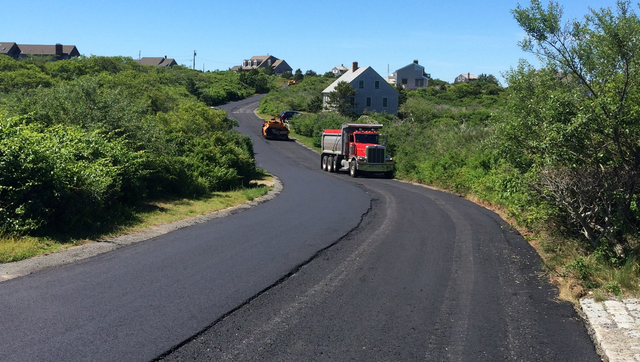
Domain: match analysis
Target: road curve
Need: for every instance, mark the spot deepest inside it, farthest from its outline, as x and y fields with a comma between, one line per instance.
x=426, y=276
x=140, y=301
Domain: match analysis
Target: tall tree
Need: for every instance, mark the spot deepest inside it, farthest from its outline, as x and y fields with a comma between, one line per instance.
x=342, y=99
x=576, y=122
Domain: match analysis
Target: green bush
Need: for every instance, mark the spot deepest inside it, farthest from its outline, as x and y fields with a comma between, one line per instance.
x=84, y=140
x=312, y=125
x=60, y=177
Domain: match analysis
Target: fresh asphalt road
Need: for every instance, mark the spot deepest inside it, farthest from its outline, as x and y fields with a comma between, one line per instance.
x=332, y=269
x=426, y=276
x=138, y=302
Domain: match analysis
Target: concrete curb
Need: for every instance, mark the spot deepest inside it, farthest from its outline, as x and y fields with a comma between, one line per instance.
x=615, y=328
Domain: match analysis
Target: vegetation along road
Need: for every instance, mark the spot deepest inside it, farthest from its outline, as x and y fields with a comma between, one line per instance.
x=424, y=276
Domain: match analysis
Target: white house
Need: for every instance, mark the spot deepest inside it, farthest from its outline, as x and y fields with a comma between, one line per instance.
x=339, y=70
x=462, y=78
x=412, y=76
x=373, y=93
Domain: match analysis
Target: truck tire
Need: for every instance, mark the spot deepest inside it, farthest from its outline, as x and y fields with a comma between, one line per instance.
x=332, y=163
x=325, y=163
x=353, y=170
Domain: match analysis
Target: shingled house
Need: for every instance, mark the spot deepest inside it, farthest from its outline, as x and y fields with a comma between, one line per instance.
x=279, y=66
x=56, y=52
x=158, y=61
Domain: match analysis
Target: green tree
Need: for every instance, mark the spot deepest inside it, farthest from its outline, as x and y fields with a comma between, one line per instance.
x=575, y=123
x=298, y=76
x=341, y=99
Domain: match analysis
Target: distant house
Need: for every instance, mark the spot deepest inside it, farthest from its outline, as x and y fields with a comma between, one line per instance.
x=56, y=52
x=279, y=66
x=411, y=76
x=158, y=61
x=10, y=49
x=373, y=93
x=339, y=70
x=462, y=78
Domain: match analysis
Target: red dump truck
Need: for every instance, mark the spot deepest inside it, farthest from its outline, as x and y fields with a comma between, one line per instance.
x=357, y=148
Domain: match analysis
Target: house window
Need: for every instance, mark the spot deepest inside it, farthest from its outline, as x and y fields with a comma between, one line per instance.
x=368, y=101
x=384, y=102
x=404, y=81
x=361, y=84
x=419, y=82
x=377, y=84
x=352, y=100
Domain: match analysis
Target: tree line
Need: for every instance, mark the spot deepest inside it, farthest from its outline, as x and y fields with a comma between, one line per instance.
x=84, y=141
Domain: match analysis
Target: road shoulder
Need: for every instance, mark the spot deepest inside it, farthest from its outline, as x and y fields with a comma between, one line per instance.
x=25, y=267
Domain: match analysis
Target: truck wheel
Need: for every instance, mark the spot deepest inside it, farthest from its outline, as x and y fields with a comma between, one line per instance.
x=332, y=164
x=353, y=171
x=325, y=161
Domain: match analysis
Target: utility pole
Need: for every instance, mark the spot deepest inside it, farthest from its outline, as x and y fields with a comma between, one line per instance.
x=194, y=60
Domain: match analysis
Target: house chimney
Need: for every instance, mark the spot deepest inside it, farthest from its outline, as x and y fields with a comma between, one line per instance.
x=165, y=57
x=355, y=66
x=59, y=51
x=415, y=62
x=468, y=76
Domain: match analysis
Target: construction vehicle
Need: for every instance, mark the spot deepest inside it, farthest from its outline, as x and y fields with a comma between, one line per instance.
x=276, y=128
x=356, y=148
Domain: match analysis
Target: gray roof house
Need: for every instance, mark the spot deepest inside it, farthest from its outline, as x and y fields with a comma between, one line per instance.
x=158, y=61
x=373, y=93
x=411, y=76
x=56, y=52
x=10, y=49
x=279, y=66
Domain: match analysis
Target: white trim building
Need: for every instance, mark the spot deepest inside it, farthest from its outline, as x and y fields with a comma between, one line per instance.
x=373, y=92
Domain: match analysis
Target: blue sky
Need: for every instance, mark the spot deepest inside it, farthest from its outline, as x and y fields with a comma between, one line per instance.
x=446, y=37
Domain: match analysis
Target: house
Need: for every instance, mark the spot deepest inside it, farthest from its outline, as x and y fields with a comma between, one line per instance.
x=10, y=49
x=56, y=52
x=339, y=70
x=462, y=78
x=411, y=76
x=373, y=93
x=158, y=61
x=279, y=66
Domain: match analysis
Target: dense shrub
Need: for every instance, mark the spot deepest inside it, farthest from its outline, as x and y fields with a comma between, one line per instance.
x=304, y=97
x=61, y=176
x=311, y=125
x=85, y=139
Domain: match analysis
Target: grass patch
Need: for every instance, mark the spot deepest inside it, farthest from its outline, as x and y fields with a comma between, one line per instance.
x=146, y=216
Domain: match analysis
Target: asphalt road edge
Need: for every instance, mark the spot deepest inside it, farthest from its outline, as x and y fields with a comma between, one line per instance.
x=28, y=266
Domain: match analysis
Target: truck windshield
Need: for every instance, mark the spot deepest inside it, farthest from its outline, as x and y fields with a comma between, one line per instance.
x=367, y=138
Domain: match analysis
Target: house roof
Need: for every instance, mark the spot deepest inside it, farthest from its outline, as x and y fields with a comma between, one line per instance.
x=158, y=61
x=347, y=77
x=33, y=49
x=5, y=48
x=415, y=66
x=261, y=58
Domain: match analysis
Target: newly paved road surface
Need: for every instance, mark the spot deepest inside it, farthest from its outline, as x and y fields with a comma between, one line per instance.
x=332, y=269
x=427, y=276
x=137, y=302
